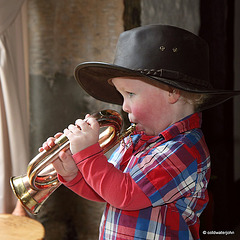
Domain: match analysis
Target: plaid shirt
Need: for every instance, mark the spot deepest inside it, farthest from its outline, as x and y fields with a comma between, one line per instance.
x=173, y=170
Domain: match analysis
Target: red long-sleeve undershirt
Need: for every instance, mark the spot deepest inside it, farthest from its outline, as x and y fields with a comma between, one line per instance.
x=99, y=180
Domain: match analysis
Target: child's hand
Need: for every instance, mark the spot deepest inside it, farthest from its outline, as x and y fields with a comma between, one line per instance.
x=82, y=135
x=64, y=164
x=49, y=143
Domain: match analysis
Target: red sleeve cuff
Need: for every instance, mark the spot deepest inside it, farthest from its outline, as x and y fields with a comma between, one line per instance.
x=72, y=182
x=87, y=153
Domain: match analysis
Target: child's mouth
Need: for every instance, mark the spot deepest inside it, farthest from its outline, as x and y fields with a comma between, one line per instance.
x=138, y=127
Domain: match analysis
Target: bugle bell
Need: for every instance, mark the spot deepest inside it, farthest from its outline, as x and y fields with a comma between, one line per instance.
x=33, y=188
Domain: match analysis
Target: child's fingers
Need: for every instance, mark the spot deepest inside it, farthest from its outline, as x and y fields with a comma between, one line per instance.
x=88, y=121
x=65, y=165
x=73, y=128
x=47, y=145
x=70, y=135
x=51, y=141
x=44, y=147
x=57, y=164
x=82, y=124
x=66, y=156
x=57, y=135
x=93, y=123
x=41, y=149
x=67, y=132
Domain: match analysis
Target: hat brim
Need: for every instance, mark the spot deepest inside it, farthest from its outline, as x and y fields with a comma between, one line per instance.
x=94, y=77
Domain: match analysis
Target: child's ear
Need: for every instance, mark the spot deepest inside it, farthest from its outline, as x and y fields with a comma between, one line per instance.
x=173, y=95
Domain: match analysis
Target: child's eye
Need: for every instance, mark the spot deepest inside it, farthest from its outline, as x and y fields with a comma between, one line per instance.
x=130, y=94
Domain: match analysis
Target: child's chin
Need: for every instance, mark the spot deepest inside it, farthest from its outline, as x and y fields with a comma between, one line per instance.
x=139, y=128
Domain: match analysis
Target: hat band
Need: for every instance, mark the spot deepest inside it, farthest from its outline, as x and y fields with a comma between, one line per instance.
x=174, y=75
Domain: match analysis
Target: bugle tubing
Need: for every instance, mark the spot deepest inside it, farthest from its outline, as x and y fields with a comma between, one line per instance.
x=33, y=188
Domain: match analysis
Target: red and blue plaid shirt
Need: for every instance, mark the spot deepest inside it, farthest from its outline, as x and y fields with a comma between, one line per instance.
x=173, y=170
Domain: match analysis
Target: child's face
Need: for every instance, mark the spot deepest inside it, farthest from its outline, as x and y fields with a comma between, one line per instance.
x=147, y=106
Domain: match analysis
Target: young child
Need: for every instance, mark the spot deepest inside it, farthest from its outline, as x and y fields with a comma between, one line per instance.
x=155, y=183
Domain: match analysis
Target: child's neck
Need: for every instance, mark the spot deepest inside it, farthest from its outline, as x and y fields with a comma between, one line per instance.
x=183, y=110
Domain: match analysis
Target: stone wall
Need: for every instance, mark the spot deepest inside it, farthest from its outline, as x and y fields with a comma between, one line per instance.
x=180, y=13
x=63, y=34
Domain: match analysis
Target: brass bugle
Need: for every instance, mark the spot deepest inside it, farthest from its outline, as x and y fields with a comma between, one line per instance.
x=33, y=188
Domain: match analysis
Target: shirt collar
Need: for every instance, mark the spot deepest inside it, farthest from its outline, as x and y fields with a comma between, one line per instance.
x=186, y=124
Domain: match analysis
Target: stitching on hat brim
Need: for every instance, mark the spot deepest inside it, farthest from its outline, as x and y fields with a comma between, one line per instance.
x=111, y=95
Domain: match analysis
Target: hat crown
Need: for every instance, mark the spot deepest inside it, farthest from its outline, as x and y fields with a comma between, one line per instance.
x=156, y=47
x=165, y=54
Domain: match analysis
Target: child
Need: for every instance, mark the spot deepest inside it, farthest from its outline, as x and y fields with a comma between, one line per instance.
x=155, y=183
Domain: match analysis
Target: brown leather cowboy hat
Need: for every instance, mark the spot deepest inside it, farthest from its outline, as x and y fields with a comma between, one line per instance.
x=161, y=53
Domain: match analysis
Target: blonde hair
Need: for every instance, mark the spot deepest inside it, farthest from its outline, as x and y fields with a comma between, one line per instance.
x=195, y=99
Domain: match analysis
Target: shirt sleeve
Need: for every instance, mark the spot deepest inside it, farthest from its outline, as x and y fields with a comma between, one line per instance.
x=114, y=186
x=80, y=187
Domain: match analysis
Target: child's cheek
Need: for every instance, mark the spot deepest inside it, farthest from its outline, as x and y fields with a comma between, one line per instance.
x=140, y=114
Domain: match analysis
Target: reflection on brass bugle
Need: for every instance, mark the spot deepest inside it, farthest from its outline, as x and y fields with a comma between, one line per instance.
x=33, y=188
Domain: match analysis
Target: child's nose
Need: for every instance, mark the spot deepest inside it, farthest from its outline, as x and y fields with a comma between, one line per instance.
x=125, y=107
